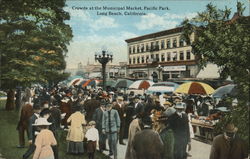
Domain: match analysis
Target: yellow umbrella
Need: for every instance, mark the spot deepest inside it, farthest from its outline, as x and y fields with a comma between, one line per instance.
x=195, y=88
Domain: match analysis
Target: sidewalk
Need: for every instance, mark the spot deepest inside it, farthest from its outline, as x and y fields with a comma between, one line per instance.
x=199, y=150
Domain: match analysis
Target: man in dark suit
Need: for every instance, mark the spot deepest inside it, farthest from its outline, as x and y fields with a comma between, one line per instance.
x=179, y=123
x=26, y=113
x=138, y=107
x=32, y=130
x=120, y=107
x=90, y=106
x=97, y=117
x=147, y=143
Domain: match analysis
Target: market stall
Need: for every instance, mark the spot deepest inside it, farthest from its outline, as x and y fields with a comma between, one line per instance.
x=203, y=128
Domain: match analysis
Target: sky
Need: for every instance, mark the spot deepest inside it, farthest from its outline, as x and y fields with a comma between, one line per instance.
x=93, y=30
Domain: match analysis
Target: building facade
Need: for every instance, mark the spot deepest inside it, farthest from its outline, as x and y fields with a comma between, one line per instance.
x=164, y=53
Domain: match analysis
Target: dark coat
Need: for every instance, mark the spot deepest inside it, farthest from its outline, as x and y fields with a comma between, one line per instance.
x=147, y=144
x=167, y=136
x=121, y=112
x=56, y=115
x=181, y=134
x=90, y=106
x=181, y=128
x=139, y=109
x=221, y=148
x=32, y=128
x=26, y=113
x=97, y=117
x=66, y=108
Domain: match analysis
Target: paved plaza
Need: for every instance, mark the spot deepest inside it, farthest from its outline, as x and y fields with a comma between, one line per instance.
x=199, y=150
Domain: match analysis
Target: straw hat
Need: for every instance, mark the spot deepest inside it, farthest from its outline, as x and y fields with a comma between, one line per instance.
x=231, y=128
x=92, y=123
x=41, y=121
x=119, y=98
x=167, y=103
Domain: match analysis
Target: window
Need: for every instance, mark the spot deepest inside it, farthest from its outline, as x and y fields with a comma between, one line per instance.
x=162, y=44
x=129, y=50
x=111, y=74
x=174, y=43
x=152, y=56
x=157, y=45
x=157, y=57
x=130, y=60
x=138, y=59
x=168, y=56
x=188, y=55
x=181, y=55
x=147, y=58
x=138, y=48
x=133, y=49
x=133, y=60
x=142, y=59
x=152, y=46
x=147, y=48
x=174, y=56
x=142, y=47
x=181, y=42
x=162, y=57
x=168, y=44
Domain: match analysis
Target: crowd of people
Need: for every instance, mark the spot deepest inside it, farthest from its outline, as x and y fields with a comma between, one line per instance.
x=157, y=126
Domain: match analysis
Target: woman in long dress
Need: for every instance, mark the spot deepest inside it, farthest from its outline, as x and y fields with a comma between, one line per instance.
x=75, y=134
x=44, y=140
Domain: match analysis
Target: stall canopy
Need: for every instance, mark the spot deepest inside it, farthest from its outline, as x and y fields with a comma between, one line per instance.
x=123, y=83
x=195, y=88
x=141, y=84
x=229, y=89
x=162, y=87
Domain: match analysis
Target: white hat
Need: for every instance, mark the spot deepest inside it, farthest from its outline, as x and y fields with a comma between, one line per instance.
x=170, y=111
x=119, y=98
x=41, y=121
x=180, y=105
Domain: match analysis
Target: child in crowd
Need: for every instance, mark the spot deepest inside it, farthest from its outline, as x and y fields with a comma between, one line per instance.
x=92, y=138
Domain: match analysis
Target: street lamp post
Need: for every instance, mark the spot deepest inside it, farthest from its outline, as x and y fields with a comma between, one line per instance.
x=103, y=58
x=159, y=68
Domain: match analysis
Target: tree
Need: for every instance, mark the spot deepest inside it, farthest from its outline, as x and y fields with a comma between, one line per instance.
x=33, y=40
x=225, y=42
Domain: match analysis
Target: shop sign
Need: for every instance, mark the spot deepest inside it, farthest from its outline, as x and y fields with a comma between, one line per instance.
x=174, y=68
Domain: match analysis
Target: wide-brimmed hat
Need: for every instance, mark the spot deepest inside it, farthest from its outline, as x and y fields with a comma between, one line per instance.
x=167, y=103
x=157, y=100
x=180, y=105
x=231, y=128
x=41, y=121
x=119, y=98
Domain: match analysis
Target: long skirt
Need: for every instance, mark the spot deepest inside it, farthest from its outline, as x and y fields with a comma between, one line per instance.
x=75, y=147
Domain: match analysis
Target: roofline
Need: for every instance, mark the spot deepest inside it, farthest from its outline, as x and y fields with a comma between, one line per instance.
x=154, y=35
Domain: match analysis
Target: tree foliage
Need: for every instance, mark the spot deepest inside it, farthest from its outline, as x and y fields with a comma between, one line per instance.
x=225, y=41
x=33, y=40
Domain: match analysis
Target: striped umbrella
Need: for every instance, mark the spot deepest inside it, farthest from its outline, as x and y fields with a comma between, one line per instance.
x=195, y=88
x=141, y=84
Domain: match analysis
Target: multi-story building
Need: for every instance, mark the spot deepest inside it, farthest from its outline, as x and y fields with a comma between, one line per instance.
x=165, y=53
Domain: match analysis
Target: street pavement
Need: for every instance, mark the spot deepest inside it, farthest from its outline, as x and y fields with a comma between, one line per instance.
x=199, y=150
